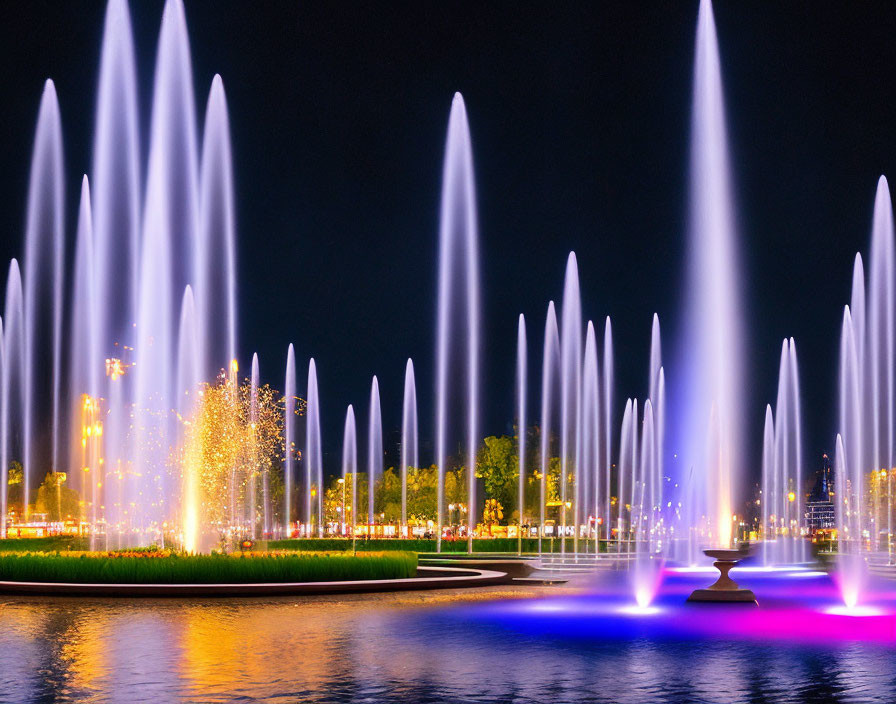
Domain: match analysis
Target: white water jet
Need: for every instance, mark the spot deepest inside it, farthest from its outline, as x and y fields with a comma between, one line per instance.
x=570, y=397
x=881, y=345
x=256, y=470
x=350, y=465
x=625, y=466
x=608, y=420
x=591, y=435
x=647, y=566
x=657, y=397
x=782, y=471
x=167, y=261
x=711, y=345
x=458, y=300
x=116, y=194
x=550, y=370
x=187, y=389
x=313, y=457
x=216, y=250
x=289, y=419
x=43, y=285
x=12, y=382
x=374, y=451
x=409, y=455
x=521, y=393
x=85, y=450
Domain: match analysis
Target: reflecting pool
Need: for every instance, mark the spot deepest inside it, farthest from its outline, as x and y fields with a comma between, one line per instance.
x=516, y=643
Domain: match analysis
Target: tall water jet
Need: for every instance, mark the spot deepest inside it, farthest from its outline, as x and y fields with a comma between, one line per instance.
x=852, y=571
x=849, y=468
x=625, y=466
x=313, y=458
x=782, y=477
x=43, y=282
x=521, y=392
x=409, y=457
x=768, y=477
x=660, y=475
x=256, y=470
x=12, y=382
x=647, y=566
x=116, y=193
x=374, y=451
x=216, y=260
x=289, y=419
x=881, y=346
x=591, y=434
x=657, y=397
x=550, y=364
x=85, y=447
x=608, y=419
x=711, y=355
x=168, y=258
x=350, y=466
x=458, y=284
x=570, y=397
x=634, y=466
x=187, y=388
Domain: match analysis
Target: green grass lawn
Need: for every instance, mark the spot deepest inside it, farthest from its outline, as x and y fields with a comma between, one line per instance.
x=164, y=568
x=53, y=543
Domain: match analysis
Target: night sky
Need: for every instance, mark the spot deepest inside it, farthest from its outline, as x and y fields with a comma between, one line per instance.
x=579, y=116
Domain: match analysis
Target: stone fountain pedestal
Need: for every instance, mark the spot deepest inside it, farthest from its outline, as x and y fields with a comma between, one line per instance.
x=725, y=589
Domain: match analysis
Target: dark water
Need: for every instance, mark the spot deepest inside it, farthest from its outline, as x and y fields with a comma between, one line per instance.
x=460, y=646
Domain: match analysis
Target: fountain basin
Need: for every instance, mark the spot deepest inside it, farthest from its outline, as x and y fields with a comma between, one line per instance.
x=725, y=589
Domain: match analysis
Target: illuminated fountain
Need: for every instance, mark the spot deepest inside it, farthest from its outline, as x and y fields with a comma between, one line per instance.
x=458, y=312
x=409, y=454
x=712, y=353
x=782, y=468
x=169, y=445
x=374, y=452
x=864, y=457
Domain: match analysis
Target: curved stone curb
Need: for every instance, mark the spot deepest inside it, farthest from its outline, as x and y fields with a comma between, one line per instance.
x=438, y=579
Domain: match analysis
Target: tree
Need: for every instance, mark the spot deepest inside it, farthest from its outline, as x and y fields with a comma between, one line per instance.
x=15, y=481
x=498, y=465
x=492, y=513
x=387, y=501
x=422, y=491
x=56, y=500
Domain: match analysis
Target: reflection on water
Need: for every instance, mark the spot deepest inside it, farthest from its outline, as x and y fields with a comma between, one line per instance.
x=418, y=647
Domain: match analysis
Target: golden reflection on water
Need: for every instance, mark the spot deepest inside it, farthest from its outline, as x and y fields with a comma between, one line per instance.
x=274, y=649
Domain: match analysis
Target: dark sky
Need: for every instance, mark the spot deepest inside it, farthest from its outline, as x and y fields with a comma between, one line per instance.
x=579, y=116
